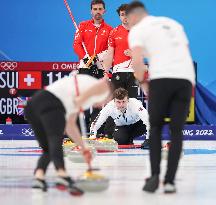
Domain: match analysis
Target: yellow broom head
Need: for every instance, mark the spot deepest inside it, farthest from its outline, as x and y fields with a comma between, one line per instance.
x=92, y=182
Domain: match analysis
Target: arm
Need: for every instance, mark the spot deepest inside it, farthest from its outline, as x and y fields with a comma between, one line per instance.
x=143, y=114
x=110, y=53
x=77, y=44
x=136, y=43
x=107, y=62
x=73, y=131
x=101, y=118
x=138, y=64
x=139, y=67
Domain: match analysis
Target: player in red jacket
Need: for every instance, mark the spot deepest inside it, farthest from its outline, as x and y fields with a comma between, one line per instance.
x=119, y=57
x=93, y=34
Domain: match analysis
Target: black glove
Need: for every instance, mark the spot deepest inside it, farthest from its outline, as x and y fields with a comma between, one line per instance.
x=87, y=60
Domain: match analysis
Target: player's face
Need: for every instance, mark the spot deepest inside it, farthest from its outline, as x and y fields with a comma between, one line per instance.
x=123, y=17
x=121, y=104
x=132, y=20
x=97, y=11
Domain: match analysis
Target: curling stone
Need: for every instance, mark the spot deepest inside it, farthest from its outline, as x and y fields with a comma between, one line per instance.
x=68, y=145
x=92, y=182
x=89, y=141
x=75, y=155
x=106, y=145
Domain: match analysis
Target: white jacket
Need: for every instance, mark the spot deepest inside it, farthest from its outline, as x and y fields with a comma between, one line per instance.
x=133, y=113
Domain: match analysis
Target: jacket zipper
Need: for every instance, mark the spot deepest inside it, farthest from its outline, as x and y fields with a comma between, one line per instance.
x=96, y=40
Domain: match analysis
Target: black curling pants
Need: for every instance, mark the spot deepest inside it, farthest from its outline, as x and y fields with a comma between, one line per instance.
x=173, y=96
x=46, y=115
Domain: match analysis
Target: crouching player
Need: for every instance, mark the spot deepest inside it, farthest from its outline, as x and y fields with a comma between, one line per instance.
x=129, y=115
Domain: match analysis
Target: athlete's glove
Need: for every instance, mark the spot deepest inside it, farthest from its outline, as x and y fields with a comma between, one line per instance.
x=89, y=61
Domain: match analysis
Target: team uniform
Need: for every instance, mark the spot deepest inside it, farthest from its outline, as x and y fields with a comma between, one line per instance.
x=48, y=111
x=131, y=123
x=171, y=75
x=122, y=75
x=95, y=39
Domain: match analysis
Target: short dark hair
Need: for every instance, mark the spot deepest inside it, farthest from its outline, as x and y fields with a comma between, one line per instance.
x=120, y=94
x=123, y=7
x=93, y=2
x=135, y=5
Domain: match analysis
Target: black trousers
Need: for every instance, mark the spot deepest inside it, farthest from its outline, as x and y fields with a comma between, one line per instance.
x=46, y=115
x=127, y=81
x=125, y=134
x=173, y=96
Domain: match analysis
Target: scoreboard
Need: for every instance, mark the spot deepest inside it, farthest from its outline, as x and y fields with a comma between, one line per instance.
x=19, y=81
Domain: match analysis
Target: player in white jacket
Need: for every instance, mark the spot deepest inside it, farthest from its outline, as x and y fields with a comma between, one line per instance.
x=129, y=115
x=171, y=76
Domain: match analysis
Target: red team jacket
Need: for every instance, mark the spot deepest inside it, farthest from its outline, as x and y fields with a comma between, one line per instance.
x=95, y=39
x=118, y=39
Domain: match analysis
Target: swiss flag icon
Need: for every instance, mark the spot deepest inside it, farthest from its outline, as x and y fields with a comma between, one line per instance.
x=30, y=80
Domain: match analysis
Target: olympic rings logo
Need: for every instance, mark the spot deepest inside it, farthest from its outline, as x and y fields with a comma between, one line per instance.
x=8, y=65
